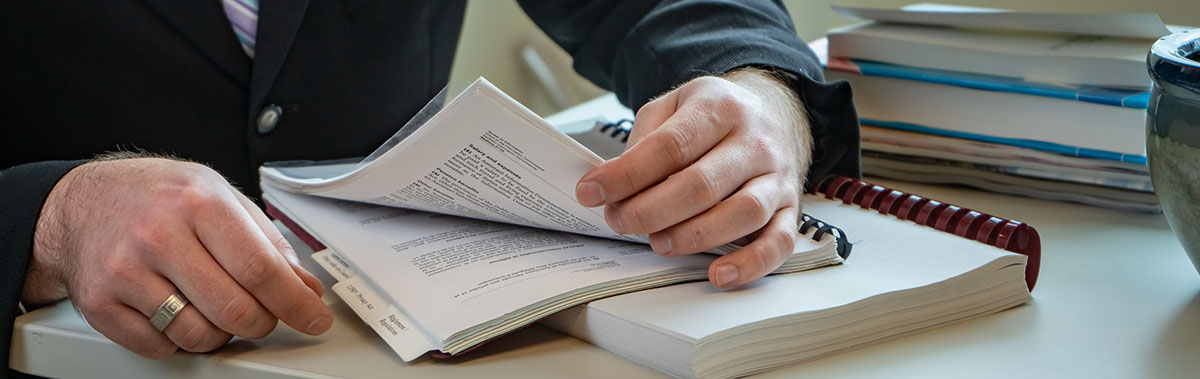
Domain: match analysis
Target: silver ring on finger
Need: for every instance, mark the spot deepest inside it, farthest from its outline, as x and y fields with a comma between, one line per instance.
x=168, y=310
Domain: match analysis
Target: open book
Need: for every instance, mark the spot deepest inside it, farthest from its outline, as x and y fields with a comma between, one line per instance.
x=468, y=228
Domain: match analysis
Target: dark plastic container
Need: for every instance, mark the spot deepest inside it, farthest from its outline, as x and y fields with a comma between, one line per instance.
x=1173, y=134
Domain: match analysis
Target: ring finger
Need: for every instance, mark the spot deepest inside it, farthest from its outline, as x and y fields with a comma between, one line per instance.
x=744, y=212
x=773, y=246
x=214, y=293
x=189, y=329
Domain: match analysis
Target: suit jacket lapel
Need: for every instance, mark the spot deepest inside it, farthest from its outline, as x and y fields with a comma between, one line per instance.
x=278, y=22
x=205, y=25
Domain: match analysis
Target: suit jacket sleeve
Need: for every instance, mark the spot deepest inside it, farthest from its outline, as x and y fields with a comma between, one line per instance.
x=23, y=189
x=639, y=49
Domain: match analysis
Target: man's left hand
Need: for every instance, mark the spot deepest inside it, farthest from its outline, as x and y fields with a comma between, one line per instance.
x=715, y=160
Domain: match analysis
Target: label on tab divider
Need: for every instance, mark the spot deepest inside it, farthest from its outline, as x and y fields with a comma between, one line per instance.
x=334, y=264
x=385, y=319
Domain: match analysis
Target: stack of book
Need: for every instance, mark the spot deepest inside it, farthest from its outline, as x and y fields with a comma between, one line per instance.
x=1036, y=104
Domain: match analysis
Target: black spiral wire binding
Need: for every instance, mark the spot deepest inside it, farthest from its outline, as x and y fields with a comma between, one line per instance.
x=843, y=243
x=619, y=128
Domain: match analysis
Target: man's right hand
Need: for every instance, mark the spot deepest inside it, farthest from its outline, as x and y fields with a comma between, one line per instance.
x=118, y=237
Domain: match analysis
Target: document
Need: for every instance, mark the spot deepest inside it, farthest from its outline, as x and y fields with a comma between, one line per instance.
x=468, y=228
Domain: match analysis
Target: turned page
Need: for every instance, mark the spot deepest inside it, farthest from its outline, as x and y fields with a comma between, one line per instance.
x=450, y=273
x=483, y=156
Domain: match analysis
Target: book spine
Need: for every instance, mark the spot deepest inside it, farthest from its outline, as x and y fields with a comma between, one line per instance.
x=1011, y=235
x=1117, y=97
x=1110, y=96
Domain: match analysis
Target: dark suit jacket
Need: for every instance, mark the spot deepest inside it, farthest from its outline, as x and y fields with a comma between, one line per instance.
x=168, y=76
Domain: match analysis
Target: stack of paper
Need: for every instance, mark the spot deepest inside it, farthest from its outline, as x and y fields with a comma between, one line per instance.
x=468, y=228
x=904, y=278
x=1038, y=104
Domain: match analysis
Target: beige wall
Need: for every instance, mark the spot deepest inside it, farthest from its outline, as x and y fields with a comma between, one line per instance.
x=495, y=31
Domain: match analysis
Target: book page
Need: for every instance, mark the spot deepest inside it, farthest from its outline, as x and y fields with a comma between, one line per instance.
x=484, y=156
x=448, y=273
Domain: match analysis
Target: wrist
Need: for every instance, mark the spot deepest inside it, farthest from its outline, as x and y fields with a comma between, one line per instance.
x=774, y=88
x=776, y=92
x=44, y=279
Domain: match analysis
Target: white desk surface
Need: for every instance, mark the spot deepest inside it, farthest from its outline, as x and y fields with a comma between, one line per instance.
x=1116, y=298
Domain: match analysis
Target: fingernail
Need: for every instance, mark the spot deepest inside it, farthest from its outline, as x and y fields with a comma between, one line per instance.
x=590, y=193
x=661, y=244
x=319, y=325
x=726, y=274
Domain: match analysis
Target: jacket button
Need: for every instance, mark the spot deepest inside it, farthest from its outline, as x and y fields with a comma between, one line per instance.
x=268, y=119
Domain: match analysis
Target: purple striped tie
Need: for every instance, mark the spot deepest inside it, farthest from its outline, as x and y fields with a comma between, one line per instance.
x=243, y=15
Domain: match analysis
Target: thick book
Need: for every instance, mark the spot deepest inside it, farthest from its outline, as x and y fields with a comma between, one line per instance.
x=919, y=264
x=467, y=228
x=1136, y=98
x=1122, y=25
x=1073, y=56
